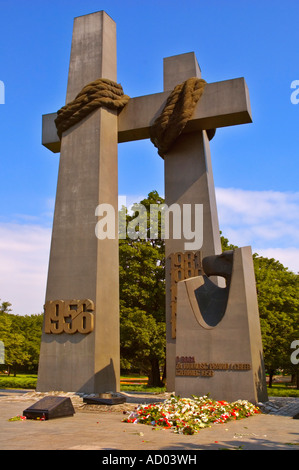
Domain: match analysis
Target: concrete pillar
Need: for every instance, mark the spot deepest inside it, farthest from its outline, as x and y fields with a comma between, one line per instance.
x=81, y=266
x=188, y=180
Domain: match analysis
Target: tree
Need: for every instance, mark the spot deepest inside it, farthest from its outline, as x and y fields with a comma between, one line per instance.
x=142, y=343
x=278, y=299
x=142, y=297
x=5, y=325
x=31, y=328
x=21, y=336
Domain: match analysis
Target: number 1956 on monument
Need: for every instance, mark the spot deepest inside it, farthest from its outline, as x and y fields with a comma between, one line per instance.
x=69, y=316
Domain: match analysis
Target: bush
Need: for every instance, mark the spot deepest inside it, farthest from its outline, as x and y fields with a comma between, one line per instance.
x=20, y=381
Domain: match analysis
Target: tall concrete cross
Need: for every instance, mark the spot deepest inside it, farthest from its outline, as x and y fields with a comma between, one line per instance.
x=82, y=267
x=84, y=356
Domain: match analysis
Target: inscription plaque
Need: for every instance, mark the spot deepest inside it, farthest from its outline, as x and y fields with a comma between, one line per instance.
x=188, y=367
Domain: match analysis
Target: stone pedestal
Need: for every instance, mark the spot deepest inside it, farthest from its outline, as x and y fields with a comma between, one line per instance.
x=218, y=343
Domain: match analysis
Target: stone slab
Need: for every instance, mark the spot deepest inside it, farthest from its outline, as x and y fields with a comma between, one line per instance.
x=105, y=399
x=50, y=408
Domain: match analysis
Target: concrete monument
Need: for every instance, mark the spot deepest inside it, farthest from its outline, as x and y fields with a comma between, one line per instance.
x=223, y=355
x=81, y=309
x=80, y=342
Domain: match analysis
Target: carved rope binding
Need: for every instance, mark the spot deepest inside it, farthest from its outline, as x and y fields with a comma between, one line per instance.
x=99, y=93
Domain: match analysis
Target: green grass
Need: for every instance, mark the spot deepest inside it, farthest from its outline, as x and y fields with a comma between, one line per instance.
x=28, y=381
x=135, y=383
x=282, y=390
x=141, y=388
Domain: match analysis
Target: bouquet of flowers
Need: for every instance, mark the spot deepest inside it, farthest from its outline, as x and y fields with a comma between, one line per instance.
x=188, y=416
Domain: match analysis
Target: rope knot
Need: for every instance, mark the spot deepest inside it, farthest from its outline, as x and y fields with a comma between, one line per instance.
x=99, y=93
x=178, y=110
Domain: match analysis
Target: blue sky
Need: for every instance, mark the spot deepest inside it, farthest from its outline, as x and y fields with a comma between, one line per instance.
x=255, y=165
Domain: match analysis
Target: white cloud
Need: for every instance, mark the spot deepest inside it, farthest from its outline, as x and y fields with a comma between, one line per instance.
x=289, y=257
x=266, y=220
x=24, y=254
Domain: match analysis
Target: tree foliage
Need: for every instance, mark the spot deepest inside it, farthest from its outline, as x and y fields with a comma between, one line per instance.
x=278, y=301
x=142, y=296
x=21, y=336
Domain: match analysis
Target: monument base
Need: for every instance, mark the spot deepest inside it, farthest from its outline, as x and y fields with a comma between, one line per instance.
x=218, y=345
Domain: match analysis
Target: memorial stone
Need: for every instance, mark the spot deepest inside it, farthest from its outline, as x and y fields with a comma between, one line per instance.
x=80, y=344
x=49, y=408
